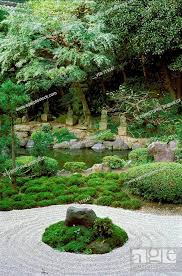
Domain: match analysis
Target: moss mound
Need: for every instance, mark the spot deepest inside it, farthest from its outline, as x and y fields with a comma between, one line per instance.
x=156, y=181
x=102, y=238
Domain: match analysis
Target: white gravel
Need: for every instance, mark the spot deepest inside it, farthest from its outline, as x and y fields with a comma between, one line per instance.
x=22, y=252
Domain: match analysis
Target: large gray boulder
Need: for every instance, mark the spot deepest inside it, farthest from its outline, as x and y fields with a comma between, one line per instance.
x=163, y=152
x=76, y=145
x=119, y=144
x=63, y=145
x=80, y=216
x=98, y=147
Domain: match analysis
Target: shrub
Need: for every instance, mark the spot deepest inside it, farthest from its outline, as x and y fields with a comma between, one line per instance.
x=105, y=200
x=63, y=134
x=48, y=166
x=42, y=140
x=178, y=154
x=37, y=167
x=102, y=227
x=75, y=166
x=156, y=181
x=46, y=127
x=139, y=156
x=76, y=179
x=106, y=135
x=114, y=162
x=132, y=204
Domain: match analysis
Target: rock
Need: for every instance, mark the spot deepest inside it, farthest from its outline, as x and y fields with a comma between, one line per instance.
x=89, y=143
x=99, y=247
x=76, y=145
x=22, y=128
x=119, y=144
x=162, y=152
x=18, y=121
x=173, y=145
x=88, y=171
x=137, y=146
x=22, y=135
x=108, y=145
x=24, y=119
x=63, y=145
x=23, y=143
x=100, y=168
x=44, y=117
x=30, y=144
x=98, y=147
x=122, y=131
x=80, y=216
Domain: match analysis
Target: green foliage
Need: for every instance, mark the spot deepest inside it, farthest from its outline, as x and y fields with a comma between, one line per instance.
x=156, y=181
x=178, y=154
x=140, y=156
x=114, y=162
x=46, y=53
x=11, y=97
x=63, y=134
x=102, y=189
x=42, y=140
x=102, y=227
x=32, y=166
x=48, y=166
x=75, y=166
x=100, y=239
x=105, y=135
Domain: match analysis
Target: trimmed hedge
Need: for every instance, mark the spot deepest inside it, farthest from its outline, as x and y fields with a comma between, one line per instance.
x=75, y=166
x=160, y=181
x=114, y=162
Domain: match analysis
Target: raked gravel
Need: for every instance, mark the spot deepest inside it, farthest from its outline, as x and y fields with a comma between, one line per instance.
x=22, y=253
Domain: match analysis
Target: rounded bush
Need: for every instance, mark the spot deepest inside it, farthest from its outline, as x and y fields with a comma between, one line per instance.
x=47, y=167
x=160, y=181
x=27, y=165
x=140, y=156
x=114, y=162
x=75, y=166
x=105, y=135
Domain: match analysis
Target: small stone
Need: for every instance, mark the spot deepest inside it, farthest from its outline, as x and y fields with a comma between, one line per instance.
x=30, y=144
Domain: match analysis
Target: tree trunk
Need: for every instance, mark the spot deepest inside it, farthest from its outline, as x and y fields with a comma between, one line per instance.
x=124, y=75
x=86, y=110
x=168, y=82
x=179, y=86
x=13, y=151
x=144, y=67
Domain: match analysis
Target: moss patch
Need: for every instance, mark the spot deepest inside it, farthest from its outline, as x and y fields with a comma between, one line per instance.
x=79, y=239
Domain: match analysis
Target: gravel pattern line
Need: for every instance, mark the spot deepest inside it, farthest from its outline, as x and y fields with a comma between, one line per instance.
x=22, y=253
